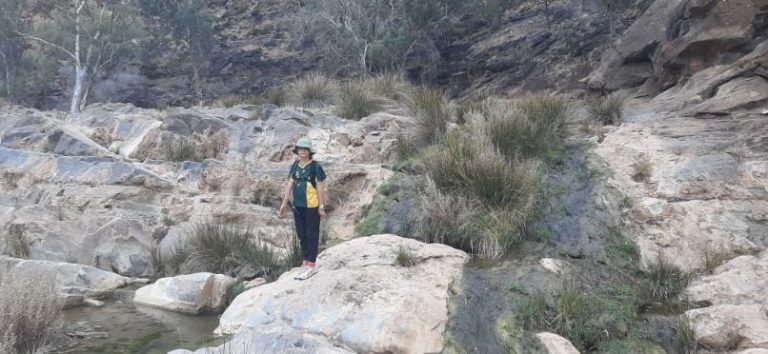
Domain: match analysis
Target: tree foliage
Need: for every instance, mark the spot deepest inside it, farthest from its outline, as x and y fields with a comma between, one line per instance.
x=189, y=24
x=94, y=37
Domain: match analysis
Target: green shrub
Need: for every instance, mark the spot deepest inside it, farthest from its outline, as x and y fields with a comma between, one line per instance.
x=179, y=149
x=358, y=100
x=30, y=308
x=404, y=257
x=228, y=249
x=607, y=110
x=431, y=111
x=313, y=90
x=526, y=128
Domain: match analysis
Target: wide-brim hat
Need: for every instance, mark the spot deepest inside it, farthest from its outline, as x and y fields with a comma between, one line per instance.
x=303, y=143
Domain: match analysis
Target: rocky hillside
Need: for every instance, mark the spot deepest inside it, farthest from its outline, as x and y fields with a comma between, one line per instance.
x=258, y=46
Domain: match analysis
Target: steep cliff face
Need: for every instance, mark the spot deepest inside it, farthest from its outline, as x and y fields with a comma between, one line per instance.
x=676, y=39
x=257, y=46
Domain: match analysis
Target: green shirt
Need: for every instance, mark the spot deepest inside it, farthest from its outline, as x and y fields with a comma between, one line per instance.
x=304, y=192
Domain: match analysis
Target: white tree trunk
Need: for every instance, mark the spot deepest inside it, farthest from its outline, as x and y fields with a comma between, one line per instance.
x=77, y=91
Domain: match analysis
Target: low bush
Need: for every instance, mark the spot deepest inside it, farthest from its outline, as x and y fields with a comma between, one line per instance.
x=313, y=90
x=29, y=308
x=607, y=110
x=357, y=100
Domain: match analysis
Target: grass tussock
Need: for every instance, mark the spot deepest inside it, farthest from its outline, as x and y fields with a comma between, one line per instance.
x=359, y=99
x=404, y=257
x=313, y=90
x=29, y=309
x=664, y=280
x=504, y=192
x=607, y=110
x=390, y=85
x=431, y=111
x=686, y=335
x=527, y=127
x=642, y=170
x=228, y=249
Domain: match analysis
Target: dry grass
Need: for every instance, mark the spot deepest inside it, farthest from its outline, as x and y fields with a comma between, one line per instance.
x=715, y=258
x=607, y=110
x=277, y=96
x=266, y=192
x=391, y=86
x=642, y=170
x=28, y=310
x=17, y=242
x=431, y=111
x=178, y=149
x=685, y=334
x=212, y=145
x=359, y=99
x=313, y=90
x=230, y=101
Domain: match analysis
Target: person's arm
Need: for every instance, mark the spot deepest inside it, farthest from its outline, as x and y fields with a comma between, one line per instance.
x=320, y=177
x=321, y=197
x=287, y=195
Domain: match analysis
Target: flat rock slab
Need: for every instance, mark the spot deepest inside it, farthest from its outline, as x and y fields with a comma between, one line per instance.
x=361, y=297
x=743, y=280
x=191, y=294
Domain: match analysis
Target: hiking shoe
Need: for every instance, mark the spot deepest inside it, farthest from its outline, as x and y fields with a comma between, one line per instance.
x=300, y=273
x=307, y=273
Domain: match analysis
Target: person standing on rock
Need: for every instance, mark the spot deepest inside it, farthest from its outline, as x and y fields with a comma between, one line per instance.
x=306, y=193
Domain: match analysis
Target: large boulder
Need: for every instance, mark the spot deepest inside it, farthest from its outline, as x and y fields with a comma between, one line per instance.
x=743, y=280
x=361, y=297
x=191, y=294
x=728, y=327
x=74, y=282
x=554, y=344
x=675, y=38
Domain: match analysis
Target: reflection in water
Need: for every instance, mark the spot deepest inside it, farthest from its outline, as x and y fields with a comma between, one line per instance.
x=139, y=329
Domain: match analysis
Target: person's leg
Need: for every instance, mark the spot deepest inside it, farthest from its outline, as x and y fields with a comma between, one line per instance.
x=300, y=216
x=313, y=234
